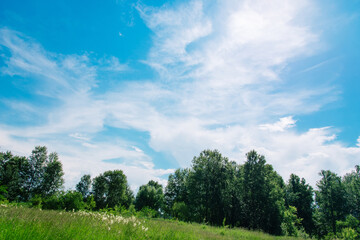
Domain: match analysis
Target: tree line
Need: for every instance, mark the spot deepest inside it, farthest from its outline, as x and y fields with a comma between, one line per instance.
x=213, y=190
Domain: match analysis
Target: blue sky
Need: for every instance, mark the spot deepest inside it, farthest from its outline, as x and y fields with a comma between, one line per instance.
x=145, y=86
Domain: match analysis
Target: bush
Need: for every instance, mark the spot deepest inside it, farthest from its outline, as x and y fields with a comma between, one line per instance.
x=53, y=202
x=70, y=200
x=3, y=193
x=290, y=222
x=90, y=203
x=73, y=200
x=180, y=211
x=147, y=213
x=36, y=201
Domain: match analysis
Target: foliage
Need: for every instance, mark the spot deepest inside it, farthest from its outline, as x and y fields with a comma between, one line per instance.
x=300, y=195
x=330, y=199
x=53, y=176
x=24, y=178
x=70, y=200
x=348, y=234
x=291, y=222
x=176, y=190
x=180, y=211
x=111, y=189
x=263, y=195
x=90, y=203
x=3, y=193
x=73, y=200
x=214, y=191
x=351, y=182
x=207, y=183
x=14, y=172
x=84, y=186
x=36, y=201
x=150, y=195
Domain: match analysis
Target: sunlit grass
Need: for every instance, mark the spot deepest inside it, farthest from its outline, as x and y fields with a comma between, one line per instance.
x=31, y=223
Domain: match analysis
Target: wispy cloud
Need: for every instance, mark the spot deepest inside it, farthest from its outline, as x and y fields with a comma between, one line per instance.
x=219, y=85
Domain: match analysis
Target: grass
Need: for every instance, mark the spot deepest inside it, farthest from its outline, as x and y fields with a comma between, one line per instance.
x=18, y=222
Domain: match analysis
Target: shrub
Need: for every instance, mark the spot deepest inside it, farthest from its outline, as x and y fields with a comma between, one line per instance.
x=73, y=200
x=53, y=202
x=3, y=193
x=180, y=211
x=36, y=201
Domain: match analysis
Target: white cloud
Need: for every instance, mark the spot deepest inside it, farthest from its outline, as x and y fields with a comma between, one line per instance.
x=280, y=126
x=220, y=87
x=79, y=136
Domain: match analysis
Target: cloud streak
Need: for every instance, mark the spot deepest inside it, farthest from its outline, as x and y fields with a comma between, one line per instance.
x=220, y=85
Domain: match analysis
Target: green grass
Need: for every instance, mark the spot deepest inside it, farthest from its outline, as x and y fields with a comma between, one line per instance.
x=30, y=223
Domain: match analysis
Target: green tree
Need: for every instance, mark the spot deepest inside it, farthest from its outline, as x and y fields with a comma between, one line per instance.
x=45, y=175
x=176, y=189
x=291, y=222
x=263, y=195
x=111, y=189
x=208, y=187
x=84, y=185
x=53, y=176
x=351, y=182
x=3, y=193
x=37, y=161
x=300, y=195
x=150, y=195
x=180, y=211
x=330, y=199
x=14, y=172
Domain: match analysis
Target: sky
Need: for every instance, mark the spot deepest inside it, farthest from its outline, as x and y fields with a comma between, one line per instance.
x=144, y=86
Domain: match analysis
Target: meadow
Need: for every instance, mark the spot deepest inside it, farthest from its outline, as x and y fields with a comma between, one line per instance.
x=21, y=222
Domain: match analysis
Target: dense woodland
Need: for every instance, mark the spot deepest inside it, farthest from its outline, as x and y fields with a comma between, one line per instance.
x=213, y=191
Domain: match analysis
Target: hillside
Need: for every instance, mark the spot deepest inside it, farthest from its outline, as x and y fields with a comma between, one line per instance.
x=31, y=223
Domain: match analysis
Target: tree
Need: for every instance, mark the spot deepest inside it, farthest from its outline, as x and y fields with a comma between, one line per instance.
x=330, y=199
x=351, y=182
x=84, y=185
x=45, y=174
x=208, y=187
x=176, y=189
x=14, y=172
x=262, y=194
x=300, y=195
x=111, y=189
x=53, y=176
x=150, y=195
x=37, y=161
x=291, y=222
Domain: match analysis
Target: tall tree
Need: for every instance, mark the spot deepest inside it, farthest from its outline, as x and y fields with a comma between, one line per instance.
x=84, y=185
x=111, y=189
x=351, y=182
x=45, y=174
x=53, y=176
x=38, y=161
x=176, y=189
x=300, y=195
x=14, y=171
x=208, y=184
x=330, y=199
x=263, y=195
x=150, y=195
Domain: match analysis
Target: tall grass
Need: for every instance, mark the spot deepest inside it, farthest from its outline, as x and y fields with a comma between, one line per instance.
x=30, y=223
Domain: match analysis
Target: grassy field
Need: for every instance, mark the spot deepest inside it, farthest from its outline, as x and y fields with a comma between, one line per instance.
x=30, y=223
